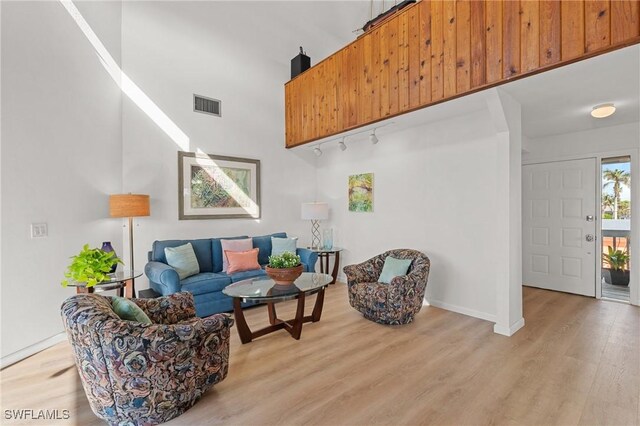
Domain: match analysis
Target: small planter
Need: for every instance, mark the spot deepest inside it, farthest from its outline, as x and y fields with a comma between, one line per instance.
x=619, y=277
x=284, y=276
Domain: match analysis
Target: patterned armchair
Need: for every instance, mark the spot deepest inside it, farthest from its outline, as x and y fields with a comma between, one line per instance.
x=140, y=374
x=394, y=303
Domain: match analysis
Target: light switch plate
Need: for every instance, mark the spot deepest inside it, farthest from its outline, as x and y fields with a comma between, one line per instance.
x=39, y=230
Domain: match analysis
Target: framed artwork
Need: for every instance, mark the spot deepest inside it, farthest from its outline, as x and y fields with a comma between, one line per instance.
x=217, y=187
x=361, y=193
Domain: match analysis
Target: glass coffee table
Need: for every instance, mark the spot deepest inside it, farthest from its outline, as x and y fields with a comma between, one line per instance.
x=265, y=290
x=123, y=281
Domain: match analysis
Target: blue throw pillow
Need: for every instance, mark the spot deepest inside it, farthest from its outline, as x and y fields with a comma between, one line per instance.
x=183, y=260
x=393, y=268
x=280, y=245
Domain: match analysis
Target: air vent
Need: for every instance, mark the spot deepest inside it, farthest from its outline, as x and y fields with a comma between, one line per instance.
x=207, y=105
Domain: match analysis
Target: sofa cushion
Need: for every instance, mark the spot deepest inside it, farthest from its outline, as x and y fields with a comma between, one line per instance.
x=393, y=268
x=245, y=275
x=242, y=260
x=201, y=247
x=263, y=242
x=183, y=260
x=233, y=246
x=206, y=282
x=280, y=245
x=128, y=310
x=216, y=251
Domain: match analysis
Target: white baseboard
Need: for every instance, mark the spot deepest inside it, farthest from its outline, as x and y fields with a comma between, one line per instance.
x=17, y=356
x=508, y=331
x=461, y=310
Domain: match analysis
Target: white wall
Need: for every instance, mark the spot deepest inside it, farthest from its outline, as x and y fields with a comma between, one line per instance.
x=227, y=51
x=61, y=156
x=435, y=191
x=87, y=139
x=586, y=143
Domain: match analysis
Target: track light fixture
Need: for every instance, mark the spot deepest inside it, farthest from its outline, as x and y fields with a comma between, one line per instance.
x=342, y=145
x=317, y=151
x=373, y=138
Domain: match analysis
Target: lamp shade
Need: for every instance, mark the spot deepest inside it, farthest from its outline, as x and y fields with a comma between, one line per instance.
x=128, y=205
x=315, y=211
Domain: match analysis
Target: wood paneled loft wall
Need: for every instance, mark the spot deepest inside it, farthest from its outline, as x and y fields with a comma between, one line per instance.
x=436, y=50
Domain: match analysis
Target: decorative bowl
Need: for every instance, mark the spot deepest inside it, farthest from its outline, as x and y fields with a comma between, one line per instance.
x=284, y=276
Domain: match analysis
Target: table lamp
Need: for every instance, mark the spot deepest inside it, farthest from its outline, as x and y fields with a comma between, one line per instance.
x=130, y=206
x=315, y=212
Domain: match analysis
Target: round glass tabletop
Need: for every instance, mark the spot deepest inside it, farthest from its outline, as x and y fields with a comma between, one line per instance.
x=117, y=277
x=265, y=289
x=323, y=250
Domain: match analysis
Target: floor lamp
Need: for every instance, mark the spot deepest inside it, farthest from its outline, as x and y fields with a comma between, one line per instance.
x=130, y=206
x=315, y=212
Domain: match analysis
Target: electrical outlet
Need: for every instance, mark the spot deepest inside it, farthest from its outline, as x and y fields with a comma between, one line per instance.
x=39, y=230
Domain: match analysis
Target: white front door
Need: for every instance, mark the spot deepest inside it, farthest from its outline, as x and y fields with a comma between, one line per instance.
x=559, y=246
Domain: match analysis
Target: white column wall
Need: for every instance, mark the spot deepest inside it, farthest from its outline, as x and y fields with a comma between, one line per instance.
x=61, y=157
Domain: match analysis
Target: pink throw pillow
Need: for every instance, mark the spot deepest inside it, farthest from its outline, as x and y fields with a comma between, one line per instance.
x=242, y=260
x=234, y=245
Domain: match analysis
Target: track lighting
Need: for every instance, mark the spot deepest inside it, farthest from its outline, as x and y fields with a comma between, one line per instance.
x=317, y=151
x=342, y=145
x=373, y=138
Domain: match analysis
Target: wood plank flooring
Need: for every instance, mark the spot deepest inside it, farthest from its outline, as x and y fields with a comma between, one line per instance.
x=576, y=362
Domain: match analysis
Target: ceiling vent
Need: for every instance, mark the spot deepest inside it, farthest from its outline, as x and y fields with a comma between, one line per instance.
x=207, y=105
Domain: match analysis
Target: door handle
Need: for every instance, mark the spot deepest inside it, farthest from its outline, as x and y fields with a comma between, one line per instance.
x=590, y=237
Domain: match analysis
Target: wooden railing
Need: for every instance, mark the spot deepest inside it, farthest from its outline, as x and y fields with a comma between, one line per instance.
x=436, y=50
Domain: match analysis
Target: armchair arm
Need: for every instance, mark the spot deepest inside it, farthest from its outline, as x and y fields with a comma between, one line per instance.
x=169, y=309
x=367, y=271
x=189, y=331
x=178, y=359
x=415, y=280
x=308, y=257
x=212, y=323
x=163, y=275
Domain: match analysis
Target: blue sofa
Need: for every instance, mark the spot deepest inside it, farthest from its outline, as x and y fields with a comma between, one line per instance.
x=207, y=286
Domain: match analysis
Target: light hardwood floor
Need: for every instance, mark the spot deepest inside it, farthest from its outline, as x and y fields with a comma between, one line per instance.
x=577, y=361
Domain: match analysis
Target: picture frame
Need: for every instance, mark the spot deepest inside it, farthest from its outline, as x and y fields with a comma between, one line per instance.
x=217, y=187
x=360, y=195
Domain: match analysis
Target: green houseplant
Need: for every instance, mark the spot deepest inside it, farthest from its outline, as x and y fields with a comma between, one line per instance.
x=284, y=268
x=617, y=261
x=90, y=266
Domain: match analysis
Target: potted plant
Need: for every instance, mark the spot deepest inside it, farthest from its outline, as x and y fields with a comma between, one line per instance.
x=617, y=261
x=284, y=268
x=90, y=266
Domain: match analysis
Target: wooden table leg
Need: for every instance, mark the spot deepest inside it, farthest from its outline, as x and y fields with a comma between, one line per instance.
x=296, y=330
x=241, y=324
x=271, y=308
x=129, y=289
x=334, y=274
x=317, y=308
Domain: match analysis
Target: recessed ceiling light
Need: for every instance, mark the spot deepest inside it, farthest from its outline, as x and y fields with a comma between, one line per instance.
x=317, y=151
x=342, y=145
x=602, y=111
